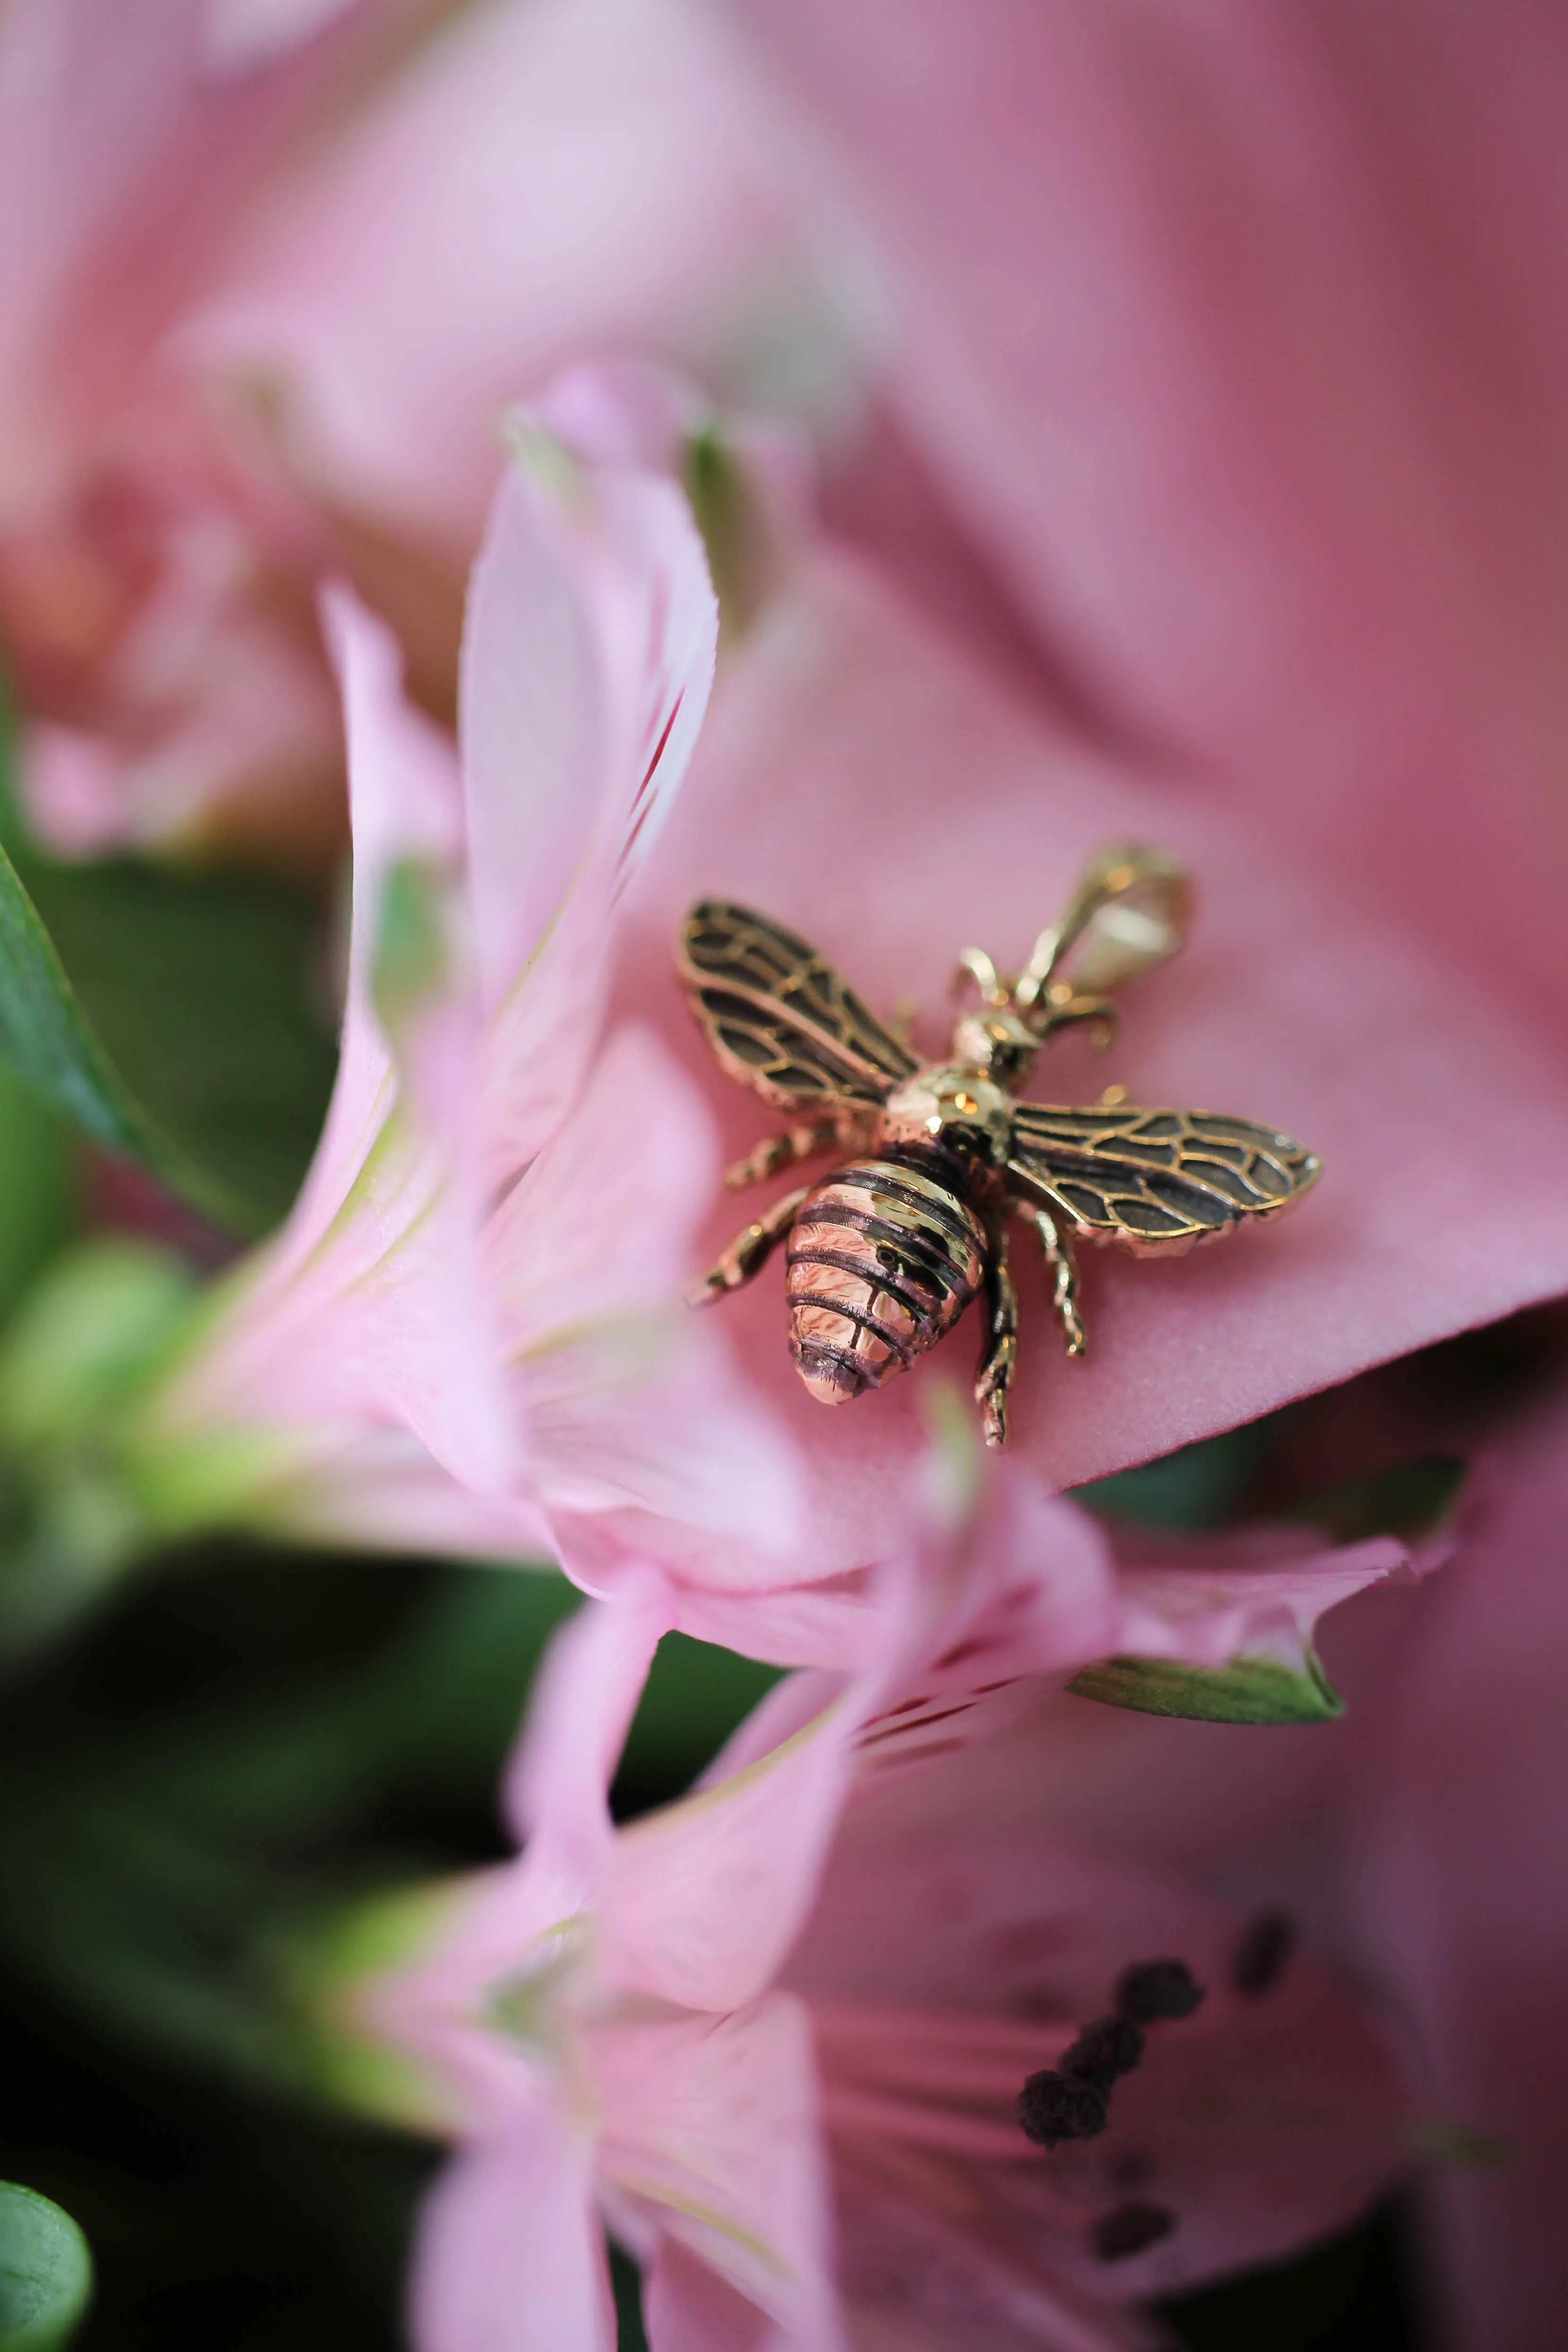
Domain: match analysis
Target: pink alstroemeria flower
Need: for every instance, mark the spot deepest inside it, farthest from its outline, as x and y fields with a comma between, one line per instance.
x=470, y=1322
x=775, y=2035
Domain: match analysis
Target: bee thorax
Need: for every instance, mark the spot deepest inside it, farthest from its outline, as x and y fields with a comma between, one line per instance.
x=953, y=1104
x=883, y=1258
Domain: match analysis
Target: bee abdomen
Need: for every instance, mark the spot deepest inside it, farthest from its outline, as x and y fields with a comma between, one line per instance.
x=882, y=1259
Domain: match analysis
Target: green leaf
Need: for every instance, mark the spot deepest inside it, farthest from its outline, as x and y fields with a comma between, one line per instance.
x=169, y=1016
x=204, y=991
x=169, y=987
x=38, y=1188
x=1247, y=1690
x=45, y=2272
x=45, y=1036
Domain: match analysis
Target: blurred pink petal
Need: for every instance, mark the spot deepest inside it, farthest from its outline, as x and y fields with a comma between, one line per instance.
x=371, y=1305
x=712, y=2134
x=405, y=810
x=558, y=179
x=525, y=2195
x=157, y=567
x=588, y=658
x=1004, y=1948
x=1459, y=1900
x=1238, y=337
x=380, y=1490
x=212, y=395
x=687, y=2307
x=866, y=782
x=468, y=1264
x=134, y=141
x=643, y=1441
x=579, y=1715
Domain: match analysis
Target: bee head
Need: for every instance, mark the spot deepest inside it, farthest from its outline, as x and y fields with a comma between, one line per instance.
x=998, y=1041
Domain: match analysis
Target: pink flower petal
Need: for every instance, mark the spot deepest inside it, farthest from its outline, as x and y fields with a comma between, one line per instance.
x=133, y=148
x=947, y=1960
x=583, y=1701
x=398, y=1295
x=1271, y=444
x=1458, y=1901
x=405, y=807
x=687, y=2307
x=709, y=1894
x=642, y=1440
x=372, y=1302
x=380, y=1490
x=539, y=181
x=604, y=1220
x=712, y=2134
x=1256, y=1594
x=511, y=2255
x=588, y=658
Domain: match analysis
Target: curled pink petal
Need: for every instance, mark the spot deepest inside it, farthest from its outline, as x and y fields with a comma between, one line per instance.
x=1258, y=1595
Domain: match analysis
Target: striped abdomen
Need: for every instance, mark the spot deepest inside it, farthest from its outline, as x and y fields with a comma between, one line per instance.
x=882, y=1259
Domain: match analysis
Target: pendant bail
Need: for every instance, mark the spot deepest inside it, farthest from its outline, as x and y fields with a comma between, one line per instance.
x=1129, y=912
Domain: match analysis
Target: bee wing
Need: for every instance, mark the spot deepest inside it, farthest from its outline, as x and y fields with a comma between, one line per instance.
x=777, y=1016
x=1154, y=1180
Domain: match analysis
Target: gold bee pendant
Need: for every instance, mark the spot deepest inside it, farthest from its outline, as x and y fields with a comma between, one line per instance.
x=885, y=1253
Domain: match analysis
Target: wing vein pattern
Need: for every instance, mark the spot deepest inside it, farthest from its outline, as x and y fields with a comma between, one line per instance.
x=1155, y=1179
x=777, y=1016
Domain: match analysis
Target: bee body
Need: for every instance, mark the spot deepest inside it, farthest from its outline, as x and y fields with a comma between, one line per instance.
x=882, y=1259
x=885, y=1253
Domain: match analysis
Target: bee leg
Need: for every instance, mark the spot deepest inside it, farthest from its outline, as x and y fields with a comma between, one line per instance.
x=1001, y=1353
x=1062, y=1268
x=776, y=1152
x=749, y=1253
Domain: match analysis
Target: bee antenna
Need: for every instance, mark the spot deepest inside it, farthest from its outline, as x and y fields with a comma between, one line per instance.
x=1059, y=1006
x=1030, y=987
x=975, y=965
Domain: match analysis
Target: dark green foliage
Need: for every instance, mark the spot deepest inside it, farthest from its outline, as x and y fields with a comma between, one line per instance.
x=210, y=994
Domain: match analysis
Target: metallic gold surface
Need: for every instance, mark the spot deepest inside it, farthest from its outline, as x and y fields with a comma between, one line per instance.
x=886, y=1252
x=884, y=1258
